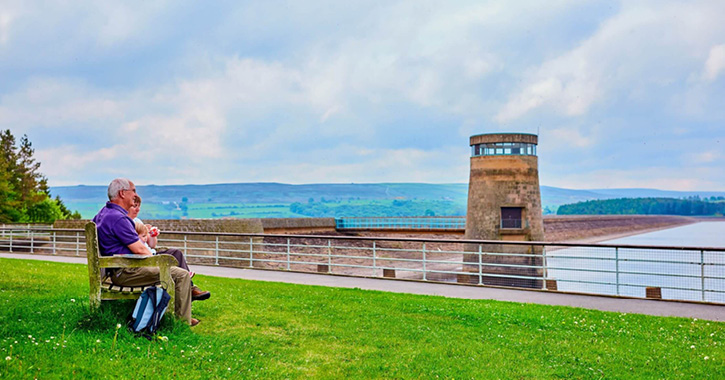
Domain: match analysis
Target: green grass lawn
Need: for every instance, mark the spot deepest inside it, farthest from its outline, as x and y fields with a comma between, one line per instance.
x=269, y=330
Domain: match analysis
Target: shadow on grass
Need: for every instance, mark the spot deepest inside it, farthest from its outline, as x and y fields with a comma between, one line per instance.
x=112, y=313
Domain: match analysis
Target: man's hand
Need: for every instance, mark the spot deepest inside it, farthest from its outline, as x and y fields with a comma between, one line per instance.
x=138, y=248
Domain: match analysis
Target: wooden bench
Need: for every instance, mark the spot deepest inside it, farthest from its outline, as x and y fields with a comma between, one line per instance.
x=101, y=287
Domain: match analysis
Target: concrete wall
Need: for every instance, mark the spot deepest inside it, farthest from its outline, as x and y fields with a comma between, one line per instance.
x=298, y=225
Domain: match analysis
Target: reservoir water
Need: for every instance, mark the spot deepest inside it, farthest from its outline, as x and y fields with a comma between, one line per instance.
x=704, y=234
x=697, y=275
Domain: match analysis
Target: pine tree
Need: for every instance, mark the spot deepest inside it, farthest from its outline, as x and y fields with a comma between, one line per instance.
x=24, y=192
x=31, y=185
x=9, y=206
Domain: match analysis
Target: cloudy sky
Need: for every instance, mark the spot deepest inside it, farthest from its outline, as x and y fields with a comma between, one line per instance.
x=628, y=94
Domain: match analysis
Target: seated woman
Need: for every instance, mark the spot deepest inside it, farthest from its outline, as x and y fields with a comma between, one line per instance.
x=196, y=293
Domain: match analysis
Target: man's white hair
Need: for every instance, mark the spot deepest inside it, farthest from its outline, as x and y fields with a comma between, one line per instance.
x=116, y=186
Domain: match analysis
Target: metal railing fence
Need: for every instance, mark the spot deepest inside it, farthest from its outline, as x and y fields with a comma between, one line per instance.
x=402, y=223
x=680, y=273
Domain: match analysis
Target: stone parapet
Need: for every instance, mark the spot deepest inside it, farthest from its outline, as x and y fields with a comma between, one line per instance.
x=298, y=225
x=489, y=138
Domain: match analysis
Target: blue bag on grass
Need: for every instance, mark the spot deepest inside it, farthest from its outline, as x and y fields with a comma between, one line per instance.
x=149, y=310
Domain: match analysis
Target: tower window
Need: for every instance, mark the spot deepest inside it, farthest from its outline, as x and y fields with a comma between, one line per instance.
x=503, y=149
x=511, y=217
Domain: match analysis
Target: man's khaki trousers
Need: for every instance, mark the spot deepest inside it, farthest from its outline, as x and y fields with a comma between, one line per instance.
x=150, y=275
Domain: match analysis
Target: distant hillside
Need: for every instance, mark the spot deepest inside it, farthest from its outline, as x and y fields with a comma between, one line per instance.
x=286, y=201
x=273, y=192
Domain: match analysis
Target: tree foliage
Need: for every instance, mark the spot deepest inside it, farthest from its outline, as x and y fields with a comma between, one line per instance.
x=24, y=193
x=693, y=206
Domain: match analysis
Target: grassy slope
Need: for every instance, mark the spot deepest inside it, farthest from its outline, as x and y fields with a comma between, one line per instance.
x=271, y=330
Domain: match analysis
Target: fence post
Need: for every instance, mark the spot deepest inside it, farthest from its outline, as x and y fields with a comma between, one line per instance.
x=702, y=273
x=78, y=244
x=546, y=268
x=288, y=266
x=251, y=260
x=329, y=256
x=54, y=241
x=11, y=240
x=425, y=278
x=375, y=270
x=216, y=250
x=32, y=241
x=616, y=266
x=480, y=265
x=186, y=250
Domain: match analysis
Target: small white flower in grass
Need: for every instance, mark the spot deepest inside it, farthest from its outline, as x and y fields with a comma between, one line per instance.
x=72, y=300
x=693, y=346
x=98, y=341
x=30, y=337
x=706, y=358
x=8, y=358
x=118, y=326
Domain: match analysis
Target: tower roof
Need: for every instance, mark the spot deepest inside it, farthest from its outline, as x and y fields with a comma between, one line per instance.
x=504, y=138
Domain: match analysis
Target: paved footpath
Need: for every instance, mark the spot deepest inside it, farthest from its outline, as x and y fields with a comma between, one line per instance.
x=622, y=305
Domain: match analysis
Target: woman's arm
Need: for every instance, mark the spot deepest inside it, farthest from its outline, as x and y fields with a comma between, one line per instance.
x=152, y=239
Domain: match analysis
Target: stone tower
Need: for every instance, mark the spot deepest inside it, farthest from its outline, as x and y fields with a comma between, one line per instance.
x=504, y=203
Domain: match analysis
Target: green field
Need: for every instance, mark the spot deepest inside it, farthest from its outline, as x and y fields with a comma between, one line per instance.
x=271, y=330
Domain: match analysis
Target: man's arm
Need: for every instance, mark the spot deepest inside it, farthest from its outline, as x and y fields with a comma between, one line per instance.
x=138, y=248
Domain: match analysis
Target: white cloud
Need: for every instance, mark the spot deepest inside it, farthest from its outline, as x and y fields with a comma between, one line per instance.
x=531, y=97
x=58, y=102
x=67, y=161
x=637, y=51
x=565, y=137
x=691, y=179
x=705, y=157
x=6, y=19
x=715, y=63
x=445, y=165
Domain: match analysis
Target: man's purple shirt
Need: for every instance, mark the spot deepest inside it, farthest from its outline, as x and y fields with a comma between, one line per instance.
x=116, y=230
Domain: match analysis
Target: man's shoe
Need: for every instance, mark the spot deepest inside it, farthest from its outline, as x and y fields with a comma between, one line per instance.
x=194, y=322
x=199, y=295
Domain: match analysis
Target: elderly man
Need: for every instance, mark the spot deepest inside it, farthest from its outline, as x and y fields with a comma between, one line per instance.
x=117, y=236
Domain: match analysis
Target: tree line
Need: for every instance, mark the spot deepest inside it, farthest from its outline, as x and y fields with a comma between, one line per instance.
x=24, y=193
x=693, y=206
